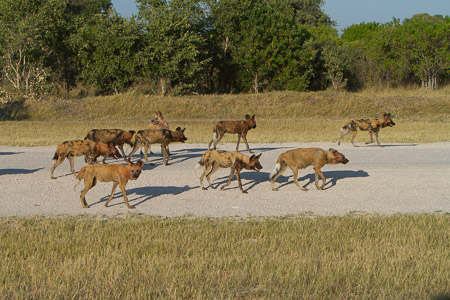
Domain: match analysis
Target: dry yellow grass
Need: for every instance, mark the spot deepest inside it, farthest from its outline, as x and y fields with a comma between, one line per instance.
x=422, y=116
x=36, y=133
x=371, y=257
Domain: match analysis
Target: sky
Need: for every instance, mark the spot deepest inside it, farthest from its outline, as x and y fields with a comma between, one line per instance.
x=348, y=12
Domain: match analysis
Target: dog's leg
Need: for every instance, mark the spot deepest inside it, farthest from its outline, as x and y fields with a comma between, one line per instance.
x=371, y=138
x=121, y=152
x=146, y=148
x=239, y=140
x=229, y=179
x=244, y=137
x=136, y=147
x=354, y=132
x=57, y=163
x=295, y=173
x=283, y=168
x=342, y=135
x=164, y=154
x=72, y=168
x=115, y=185
x=376, y=136
x=88, y=184
x=202, y=177
x=220, y=136
x=238, y=176
x=317, y=174
x=122, y=185
x=214, y=168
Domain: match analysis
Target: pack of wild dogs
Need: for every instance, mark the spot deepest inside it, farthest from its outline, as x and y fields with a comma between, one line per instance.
x=104, y=142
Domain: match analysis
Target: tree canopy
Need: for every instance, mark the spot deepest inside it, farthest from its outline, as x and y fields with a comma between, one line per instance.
x=212, y=46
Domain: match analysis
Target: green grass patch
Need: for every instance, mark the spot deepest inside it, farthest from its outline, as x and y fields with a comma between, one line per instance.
x=350, y=257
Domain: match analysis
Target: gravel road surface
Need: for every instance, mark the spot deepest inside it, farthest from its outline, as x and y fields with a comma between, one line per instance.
x=396, y=178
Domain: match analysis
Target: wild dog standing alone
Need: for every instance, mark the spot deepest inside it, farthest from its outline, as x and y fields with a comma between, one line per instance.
x=88, y=148
x=212, y=160
x=373, y=126
x=239, y=127
x=164, y=137
x=119, y=174
x=302, y=158
x=117, y=137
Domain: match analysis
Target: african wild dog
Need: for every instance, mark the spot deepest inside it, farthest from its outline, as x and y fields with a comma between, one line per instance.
x=303, y=157
x=212, y=160
x=157, y=123
x=373, y=126
x=239, y=127
x=164, y=137
x=119, y=174
x=117, y=137
x=88, y=148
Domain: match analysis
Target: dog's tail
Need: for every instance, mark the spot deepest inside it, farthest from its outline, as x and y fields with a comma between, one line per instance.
x=57, y=151
x=215, y=134
x=277, y=167
x=348, y=126
x=80, y=176
x=275, y=170
x=201, y=163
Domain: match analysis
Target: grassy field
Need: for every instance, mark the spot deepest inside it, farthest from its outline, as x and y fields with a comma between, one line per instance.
x=421, y=116
x=351, y=257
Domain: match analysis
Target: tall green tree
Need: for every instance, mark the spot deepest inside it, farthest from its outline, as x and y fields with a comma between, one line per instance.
x=107, y=49
x=423, y=42
x=173, y=42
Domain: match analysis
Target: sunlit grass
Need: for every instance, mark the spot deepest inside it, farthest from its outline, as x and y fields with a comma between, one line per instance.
x=366, y=257
x=35, y=133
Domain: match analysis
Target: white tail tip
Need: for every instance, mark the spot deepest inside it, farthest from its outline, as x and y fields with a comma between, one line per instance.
x=275, y=171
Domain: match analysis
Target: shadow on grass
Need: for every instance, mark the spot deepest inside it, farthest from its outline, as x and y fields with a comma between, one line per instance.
x=332, y=177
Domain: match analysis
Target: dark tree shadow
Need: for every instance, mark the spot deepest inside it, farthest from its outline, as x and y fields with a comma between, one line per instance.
x=14, y=110
x=18, y=171
x=331, y=177
x=442, y=297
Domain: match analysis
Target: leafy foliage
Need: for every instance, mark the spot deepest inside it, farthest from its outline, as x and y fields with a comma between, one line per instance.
x=212, y=46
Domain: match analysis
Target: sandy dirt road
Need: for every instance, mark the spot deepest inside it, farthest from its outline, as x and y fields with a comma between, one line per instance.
x=396, y=178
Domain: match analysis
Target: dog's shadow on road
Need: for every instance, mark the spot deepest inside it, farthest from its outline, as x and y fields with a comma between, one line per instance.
x=10, y=153
x=18, y=171
x=248, y=179
x=146, y=193
x=332, y=177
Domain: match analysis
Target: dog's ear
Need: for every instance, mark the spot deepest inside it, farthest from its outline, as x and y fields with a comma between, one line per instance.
x=253, y=117
x=332, y=150
x=140, y=163
x=178, y=129
x=183, y=130
x=247, y=116
x=255, y=157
